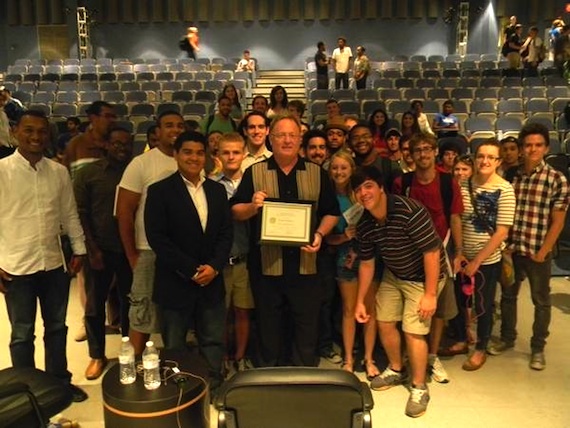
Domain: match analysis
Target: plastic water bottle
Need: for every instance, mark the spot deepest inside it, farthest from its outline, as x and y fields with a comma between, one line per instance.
x=127, y=372
x=151, y=366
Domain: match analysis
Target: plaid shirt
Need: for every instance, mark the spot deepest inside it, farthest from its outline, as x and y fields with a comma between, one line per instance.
x=539, y=193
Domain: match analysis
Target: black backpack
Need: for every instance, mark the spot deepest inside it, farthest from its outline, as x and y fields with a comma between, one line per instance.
x=445, y=189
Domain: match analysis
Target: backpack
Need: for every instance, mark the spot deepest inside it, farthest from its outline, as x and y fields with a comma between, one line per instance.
x=211, y=119
x=445, y=189
x=505, y=49
x=183, y=44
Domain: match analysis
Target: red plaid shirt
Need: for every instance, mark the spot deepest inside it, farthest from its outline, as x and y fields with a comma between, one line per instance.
x=539, y=193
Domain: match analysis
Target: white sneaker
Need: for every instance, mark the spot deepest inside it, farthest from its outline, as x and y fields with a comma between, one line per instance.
x=229, y=369
x=244, y=364
x=437, y=370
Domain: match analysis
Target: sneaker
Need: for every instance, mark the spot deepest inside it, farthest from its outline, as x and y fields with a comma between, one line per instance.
x=78, y=394
x=387, y=379
x=498, y=347
x=537, y=361
x=244, y=364
x=417, y=402
x=331, y=356
x=437, y=370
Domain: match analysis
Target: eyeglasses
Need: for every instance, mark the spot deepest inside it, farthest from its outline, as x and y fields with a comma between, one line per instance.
x=487, y=157
x=283, y=135
x=426, y=149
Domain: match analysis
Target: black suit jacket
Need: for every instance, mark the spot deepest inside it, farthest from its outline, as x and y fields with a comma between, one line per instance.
x=175, y=234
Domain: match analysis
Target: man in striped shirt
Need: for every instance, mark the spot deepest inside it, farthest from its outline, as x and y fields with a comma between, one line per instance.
x=402, y=232
x=542, y=201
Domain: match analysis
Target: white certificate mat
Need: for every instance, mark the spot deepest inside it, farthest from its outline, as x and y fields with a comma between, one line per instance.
x=286, y=223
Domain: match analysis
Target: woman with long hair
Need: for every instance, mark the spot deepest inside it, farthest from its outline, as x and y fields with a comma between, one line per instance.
x=409, y=124
x=340, y=170
x=277, y=101
x=489, y=203
x=379, y=124
x=230, y=91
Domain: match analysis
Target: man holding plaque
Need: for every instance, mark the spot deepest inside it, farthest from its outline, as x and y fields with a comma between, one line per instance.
x=282, y=197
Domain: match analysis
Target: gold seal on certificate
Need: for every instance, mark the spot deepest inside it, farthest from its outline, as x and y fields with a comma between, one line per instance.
x=286, y=223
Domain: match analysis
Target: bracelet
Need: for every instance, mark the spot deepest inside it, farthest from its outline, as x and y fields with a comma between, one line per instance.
x=320, y=234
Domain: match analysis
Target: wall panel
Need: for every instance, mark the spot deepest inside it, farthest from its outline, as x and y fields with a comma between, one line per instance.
x=127, y=12
x=339, y=9
x=355, y=9
x=386, y=9
x=188, y=8
x=13, y=12
x=142, y=12
x=26, y=12
x=295, y=13
x=433, y=9
x=418, y=9
x=233, y=11
x=158, y=12
x=173, y=13
x=248, y=10
x=402, y=9
x=111, y=11
x=279, y=12
x=57, y=11
x=202, y=11
x=309, y=10
x=370, y=9
x=324, y=10
x=41, y=12
x=263, y=10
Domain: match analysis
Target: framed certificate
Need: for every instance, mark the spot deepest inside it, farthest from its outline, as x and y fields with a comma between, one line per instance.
x=287, y=223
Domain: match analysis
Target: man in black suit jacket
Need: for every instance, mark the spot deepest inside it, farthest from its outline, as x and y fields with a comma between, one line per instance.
x=189, y=227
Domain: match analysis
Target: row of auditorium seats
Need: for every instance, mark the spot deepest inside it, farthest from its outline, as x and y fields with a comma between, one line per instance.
x=430, y=58
x=128, y=77
x=467, y=93
x=117, y=61
x=155, y=86
x=476, y=107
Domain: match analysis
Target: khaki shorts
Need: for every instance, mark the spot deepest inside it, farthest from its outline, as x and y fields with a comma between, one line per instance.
x=238, y=289
x=446, y=303
x=143, y=312
x=398, y=300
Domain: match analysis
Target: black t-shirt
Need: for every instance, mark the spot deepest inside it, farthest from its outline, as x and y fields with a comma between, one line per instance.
x=514, y=38
x=321, y=69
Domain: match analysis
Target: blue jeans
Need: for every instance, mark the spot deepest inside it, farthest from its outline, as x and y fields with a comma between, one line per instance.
x=538, y=275
x=209, y=320
x=51, y=288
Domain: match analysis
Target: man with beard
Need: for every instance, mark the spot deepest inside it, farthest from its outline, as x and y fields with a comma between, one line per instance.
x=95, y=187
x=314, y=146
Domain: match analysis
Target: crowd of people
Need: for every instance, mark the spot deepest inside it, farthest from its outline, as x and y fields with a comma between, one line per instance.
x=411, y=235
x=408, y=243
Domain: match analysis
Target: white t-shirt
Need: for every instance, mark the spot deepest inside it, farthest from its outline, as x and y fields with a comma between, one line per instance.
x=342, y=59
x=144, y=170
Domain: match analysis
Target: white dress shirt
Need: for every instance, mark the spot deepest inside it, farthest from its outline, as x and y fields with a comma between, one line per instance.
x=198, y=196
x=37, y=207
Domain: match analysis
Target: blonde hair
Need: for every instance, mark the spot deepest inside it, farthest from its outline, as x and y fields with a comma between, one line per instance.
x=347, y=156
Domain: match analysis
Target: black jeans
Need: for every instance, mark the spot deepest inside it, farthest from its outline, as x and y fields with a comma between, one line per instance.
x=51, y=289
x=361, y=84
x=322, y=81
x=341, y=78
x=538, y=275
x=97, y=285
